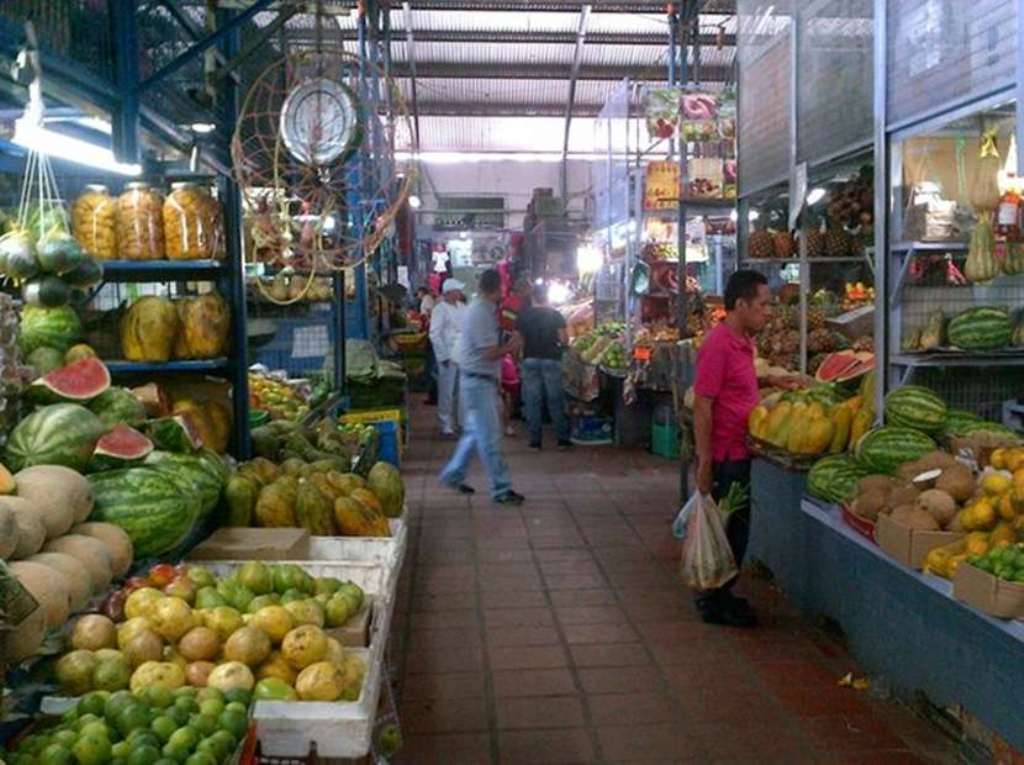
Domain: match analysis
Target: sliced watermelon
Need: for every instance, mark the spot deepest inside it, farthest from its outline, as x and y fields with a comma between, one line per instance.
x=834, y=365
x=175, y=434
x=78, y=382
x=122, y=447
x=864, y=364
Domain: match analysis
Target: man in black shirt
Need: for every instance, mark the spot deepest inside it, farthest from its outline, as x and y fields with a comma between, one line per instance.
x=544, y=336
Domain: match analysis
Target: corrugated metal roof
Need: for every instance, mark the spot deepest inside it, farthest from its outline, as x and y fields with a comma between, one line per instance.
x=501, y=134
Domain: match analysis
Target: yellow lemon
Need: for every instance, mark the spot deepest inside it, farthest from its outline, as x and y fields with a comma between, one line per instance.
x=996, y=484
x=1018, y=477
x=984, y=514
x=977, y=543
x=1006, y=509
x=1015, y=460
x=998, y=459
x=1003, y=535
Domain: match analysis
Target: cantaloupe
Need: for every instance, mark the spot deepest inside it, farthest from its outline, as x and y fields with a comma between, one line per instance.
x=116, y=539
x=50, y=589
x=25, y=639
x=8, y=533
x=80, y=586
x=7, y=484
x=31, y=529
x=63, y=496
x=91, y=553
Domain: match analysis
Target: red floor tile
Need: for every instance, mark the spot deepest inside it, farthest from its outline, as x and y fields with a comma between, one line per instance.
x=533, y=682
x=567, y=745
x=540, y=712
x=643, y=679
x=463, y=749
x=631, y=708
x=527, y=657
x=444, y=715
x=452, y=685
x=613, y=655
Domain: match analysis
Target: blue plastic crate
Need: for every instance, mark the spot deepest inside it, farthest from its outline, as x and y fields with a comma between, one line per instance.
x=388, y=451
x=592, y=431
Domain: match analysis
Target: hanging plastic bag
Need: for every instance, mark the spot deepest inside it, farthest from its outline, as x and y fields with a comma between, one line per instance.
x=707, y=560
x=683, y=517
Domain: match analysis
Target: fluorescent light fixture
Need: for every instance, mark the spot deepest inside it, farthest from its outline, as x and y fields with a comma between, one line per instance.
x=202, y=128
x=754, y=215
x=463, y=235
x=733, y=215
x=469, y=157
x=538, y=281
x=815, y=195
x=589, y=259
x=35, y=137
x=415, y=202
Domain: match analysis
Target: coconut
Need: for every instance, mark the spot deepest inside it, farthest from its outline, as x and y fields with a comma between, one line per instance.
x=870, y=504
x=957, y=481
x=871, y=483
x=905, y=494
x=80, y=586
x=938, y=504
x=50, y=589
x=90, y=553
x=922, y=520
x=116, y=540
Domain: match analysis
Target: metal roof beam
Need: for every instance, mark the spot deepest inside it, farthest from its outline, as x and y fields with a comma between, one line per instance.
x=470, y=71
x=410, y=52
x=475, y=109
x=518, y=37
x=577, y=61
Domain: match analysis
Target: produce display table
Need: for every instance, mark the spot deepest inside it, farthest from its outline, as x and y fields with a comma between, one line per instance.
x=899, y=623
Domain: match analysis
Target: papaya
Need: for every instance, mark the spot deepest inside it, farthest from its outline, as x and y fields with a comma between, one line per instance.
x=319, y=480
x=345, y=483
x=313, y=511
x=205, y=323
x=815, y=410
x=354, y=519
x=861, y=424
x=796, y=434
x=148, y=329
x=777, y=420
x=241, y=494
x=275, y=506
x=757, y=420
x=817, y=436
x=293, y=466
x=842, y=419
x=369, y=499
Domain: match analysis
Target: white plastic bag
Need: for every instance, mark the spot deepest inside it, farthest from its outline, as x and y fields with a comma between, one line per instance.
x=707, y=560
x=683, y=516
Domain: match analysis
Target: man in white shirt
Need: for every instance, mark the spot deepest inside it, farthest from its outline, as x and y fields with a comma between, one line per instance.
x=427, y=301
x=445, y=325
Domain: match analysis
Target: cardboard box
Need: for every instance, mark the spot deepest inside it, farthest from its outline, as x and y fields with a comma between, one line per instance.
x=253, y=544
x=910, y=546
x=988, y=593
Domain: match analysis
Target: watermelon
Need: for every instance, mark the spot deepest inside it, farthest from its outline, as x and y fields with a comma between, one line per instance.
x=51, y=327
x=912, y=406
x=88, y=273
x=44, y=360
x=983, y=426
x=58, y=253
x=80, y=381
x=981, y=328
x=118, y=405
x=121, y=447
x=174, y=434
x=79, y=352
x=191, y=474
x=18, y=252
x=47, y=291
x=148, y=505
x=834, y=478
x=60, y=434
x=865, y=363
x=834, y=365
x=957, y=420
x=215, y=464
x=882, y=450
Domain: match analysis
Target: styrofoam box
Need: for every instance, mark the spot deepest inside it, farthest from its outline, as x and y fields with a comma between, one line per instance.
x=386, y=551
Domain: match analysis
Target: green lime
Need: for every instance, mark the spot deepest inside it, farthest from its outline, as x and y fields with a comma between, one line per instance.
x=186, y=738
x=201, y=758
x=188, y=703
x=238, y=706
x=211, y=707
x=176, y=753
x=117, y=701
x=159, y=696
x=144, y=754
x=204, y=724
x=226, y=740
x=212, y=747
x=118, y=761
x=84, y=720
x=180, y=715
x=98, y=728
x=91, y=750
x=70, y=717
x=205, y=694
x=165, y=761
x=66, y=737
x=144, y=737
x=163, y=726
x=234, y=723
x=56, y=754
x=24, y=758
x=93, y=703
x=185, y=690
x=132, y=718
x=121, y=749
x=241, y=695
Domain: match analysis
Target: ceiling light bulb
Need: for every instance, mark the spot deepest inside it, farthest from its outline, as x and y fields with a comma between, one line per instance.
x=34, y=137
x=202, y=128
x=815, y=195
x=414, y=202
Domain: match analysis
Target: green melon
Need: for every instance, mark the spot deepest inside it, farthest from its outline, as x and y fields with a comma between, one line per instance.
x=58, y=253
x=980, y=328
x=60, y=434
x=912, y=406
x=834, y=478
x=148, y=505
x=118, y=405
x=957, y=420
x=44, y=360
x=191, y=474
x=88, y=273
x=48, y=291
x=57, y=328
x=882, y=450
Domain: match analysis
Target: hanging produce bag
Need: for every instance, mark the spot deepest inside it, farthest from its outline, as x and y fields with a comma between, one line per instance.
x=983, y=193
x=707, y=560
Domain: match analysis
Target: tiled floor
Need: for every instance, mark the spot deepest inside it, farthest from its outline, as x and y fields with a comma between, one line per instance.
x=557, y=632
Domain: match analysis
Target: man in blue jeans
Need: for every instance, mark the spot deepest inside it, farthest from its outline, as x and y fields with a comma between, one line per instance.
x=480, y=351
x=544, y=335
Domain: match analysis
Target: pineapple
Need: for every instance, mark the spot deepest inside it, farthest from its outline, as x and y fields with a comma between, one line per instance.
x=761, y=244
x=784, y=245
x=836, y=242
x=815, y=319
x=815, y=243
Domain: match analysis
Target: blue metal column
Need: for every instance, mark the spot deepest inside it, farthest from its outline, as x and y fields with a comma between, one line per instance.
x=125, y=117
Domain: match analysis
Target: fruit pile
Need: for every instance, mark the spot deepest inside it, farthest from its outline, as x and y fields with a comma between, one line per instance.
x=355, y=444
x=813, y=421
x=283, y=401
x=285, y=287
x=157, y=329
x=1006, y=562
x=183, y=626
x=603, y=346
x=322, y=497
x=48, y=268
x=981, y=328
x=198, y=726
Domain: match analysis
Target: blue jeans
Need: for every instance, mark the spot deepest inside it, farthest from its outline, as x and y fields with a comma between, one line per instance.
x=481, y=430
x=542, y=380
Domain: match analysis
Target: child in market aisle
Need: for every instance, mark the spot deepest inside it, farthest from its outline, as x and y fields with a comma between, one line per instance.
x=726, y=390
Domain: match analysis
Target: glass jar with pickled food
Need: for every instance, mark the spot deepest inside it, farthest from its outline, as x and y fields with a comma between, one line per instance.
x=94, y=222
x=191, y=217
x=140, y=226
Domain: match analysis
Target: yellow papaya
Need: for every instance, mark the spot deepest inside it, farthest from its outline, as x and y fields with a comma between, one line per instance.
x=354, y=519
x=842, y=419
x=797, y=433
x=756, y=421
x=148, y=329
x=241, y=493
x=777, y=421
x=861, y=424
x=275, y=507
x=815, y=411
x=205, y=324
x=817, y=436
x=314, y=511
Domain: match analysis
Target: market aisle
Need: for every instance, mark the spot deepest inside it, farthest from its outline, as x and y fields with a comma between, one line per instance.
x=558, y=633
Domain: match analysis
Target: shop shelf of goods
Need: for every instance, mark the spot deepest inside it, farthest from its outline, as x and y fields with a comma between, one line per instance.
x=927, y=246
x=340, y=729
x=1010, y=357
x=161, y=270
x=119, y=367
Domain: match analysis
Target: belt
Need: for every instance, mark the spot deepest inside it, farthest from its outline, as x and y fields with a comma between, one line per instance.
x=478, y=376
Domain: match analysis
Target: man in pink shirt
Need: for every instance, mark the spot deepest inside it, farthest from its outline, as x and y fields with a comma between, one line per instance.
x=725, y=393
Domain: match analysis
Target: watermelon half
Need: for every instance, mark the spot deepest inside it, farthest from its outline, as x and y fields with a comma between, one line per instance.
x=834, y=365
x=175, y=434
x=122, y=447
x=78, y=382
